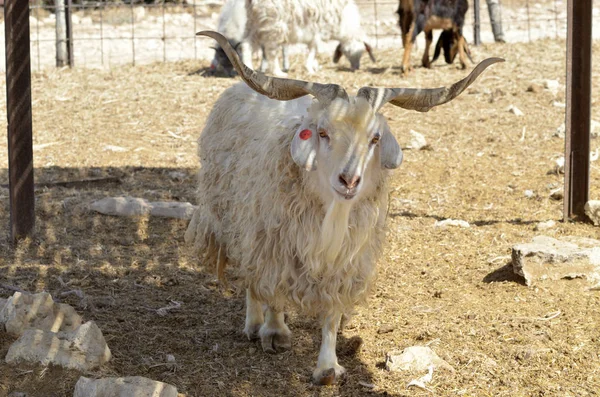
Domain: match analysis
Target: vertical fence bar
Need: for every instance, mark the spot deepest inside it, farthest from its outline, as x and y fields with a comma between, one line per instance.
x=528, y=22
x=555, y=20
x=69, y=31
x=61, y=39
x=102, y=33
x=579, y=83
x=18, y=109
x=164, y=32
x=132, y=33
x=195, y=30
x=376, y=24
x=476, y=23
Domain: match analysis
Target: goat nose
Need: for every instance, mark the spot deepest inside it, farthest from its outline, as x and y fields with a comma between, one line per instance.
x=349, y=182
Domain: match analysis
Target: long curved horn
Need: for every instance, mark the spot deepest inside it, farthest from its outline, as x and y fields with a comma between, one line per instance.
x=273, y=87
x=422, y=99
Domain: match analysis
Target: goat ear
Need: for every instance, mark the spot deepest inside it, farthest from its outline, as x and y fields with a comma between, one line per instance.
x=370, y=51
x=390, y=152
x=304, y=148
x=337, y=54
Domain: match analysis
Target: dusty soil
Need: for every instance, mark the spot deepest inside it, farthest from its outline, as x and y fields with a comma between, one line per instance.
x=451, y=289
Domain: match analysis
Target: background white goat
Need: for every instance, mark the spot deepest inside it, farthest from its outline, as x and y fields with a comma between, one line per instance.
x=304, y=229
x=272, y=23
x=232, y=25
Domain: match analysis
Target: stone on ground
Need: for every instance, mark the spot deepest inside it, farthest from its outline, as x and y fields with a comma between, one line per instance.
x=546, y=258
x=82, y=349
x=451, y=222
x=417, y=141
x=23, y=311
x=132, y=386
x=415, y=358
x=132, y=206
x=545, y=225
x=592, y=210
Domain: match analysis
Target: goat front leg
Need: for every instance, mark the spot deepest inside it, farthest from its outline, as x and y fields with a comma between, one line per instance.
x=428, y=40
x=328, y=369
x=271, y=56
x=408, y=43
x=312, y=65
x=462, y=50
x=275, y=336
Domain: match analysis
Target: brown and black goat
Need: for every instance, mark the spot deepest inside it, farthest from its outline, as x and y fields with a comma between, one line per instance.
x=416, y=16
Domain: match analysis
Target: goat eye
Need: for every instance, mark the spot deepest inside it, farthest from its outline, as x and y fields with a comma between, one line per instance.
x=323, y=134
x=375, y=140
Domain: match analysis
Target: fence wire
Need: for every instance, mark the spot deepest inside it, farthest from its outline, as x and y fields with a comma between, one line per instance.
x=112, y=33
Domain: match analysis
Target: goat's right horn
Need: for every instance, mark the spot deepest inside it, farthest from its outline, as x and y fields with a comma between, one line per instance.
x=274, y=87
x=422, y=99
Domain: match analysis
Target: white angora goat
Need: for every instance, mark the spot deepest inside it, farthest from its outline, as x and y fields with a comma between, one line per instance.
x=293, y=192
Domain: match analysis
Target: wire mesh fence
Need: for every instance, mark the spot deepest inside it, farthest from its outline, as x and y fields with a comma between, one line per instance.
x=112, y=33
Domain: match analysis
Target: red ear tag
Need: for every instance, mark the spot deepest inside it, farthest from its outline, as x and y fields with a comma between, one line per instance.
x=305, y=134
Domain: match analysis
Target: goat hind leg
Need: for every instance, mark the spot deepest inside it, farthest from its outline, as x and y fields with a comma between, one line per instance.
x=428, y=40
x=275, y=336
x=254, y=316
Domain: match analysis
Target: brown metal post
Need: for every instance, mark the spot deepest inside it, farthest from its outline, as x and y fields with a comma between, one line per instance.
x=69, y=28
x=18, y=107
x=579, y=83
x=476, y=23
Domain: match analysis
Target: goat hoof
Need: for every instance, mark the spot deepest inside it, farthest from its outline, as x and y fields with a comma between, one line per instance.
x=251, y=331
x=275, y=341
x=328, y=376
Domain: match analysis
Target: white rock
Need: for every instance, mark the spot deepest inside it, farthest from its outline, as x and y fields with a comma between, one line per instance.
x=23, y=311
x=415, y=358
x=592, y=210
x=132, y=386
x=124, y=206
x=132, y=206
x=557, y=104
x=529, y=193
x=113, y=148
x=451, y=222
x=547, y=258
x=552, y=85
x=594, y=128
x=417, y=140
x=172, y=209
x=559, y=165
x=560, y=131
x=545, y=225
x=83, y=349
x=515, y=110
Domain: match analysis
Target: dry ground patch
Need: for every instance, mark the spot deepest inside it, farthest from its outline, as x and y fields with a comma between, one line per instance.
x=448, y=288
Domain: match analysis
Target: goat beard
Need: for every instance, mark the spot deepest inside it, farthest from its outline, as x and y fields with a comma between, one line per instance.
x=334, y=229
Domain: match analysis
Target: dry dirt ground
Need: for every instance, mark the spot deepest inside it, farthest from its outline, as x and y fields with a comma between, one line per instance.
x=451, y=289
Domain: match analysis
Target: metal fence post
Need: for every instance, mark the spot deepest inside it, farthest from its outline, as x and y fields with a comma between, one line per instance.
x=69, y=31
x=18, y=109
x=476, y=23
x=61, y=33
x=579, y=83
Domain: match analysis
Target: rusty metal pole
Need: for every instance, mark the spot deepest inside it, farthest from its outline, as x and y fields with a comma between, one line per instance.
x=18, y=109
x=579, y=85
x=476, y=23
x=69, y=31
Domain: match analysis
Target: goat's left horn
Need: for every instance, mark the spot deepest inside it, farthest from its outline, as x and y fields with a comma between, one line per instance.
x=274, y=87
x=422, y=99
